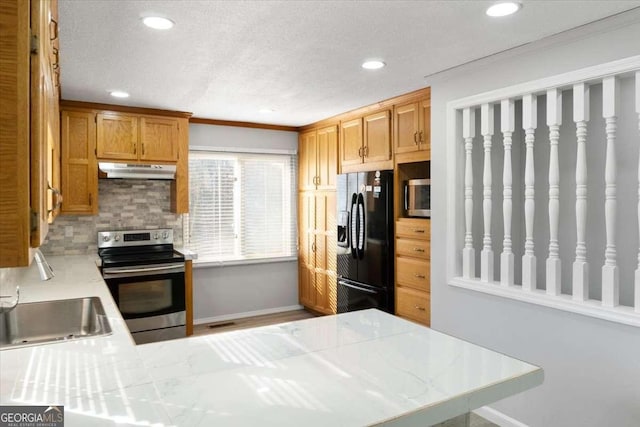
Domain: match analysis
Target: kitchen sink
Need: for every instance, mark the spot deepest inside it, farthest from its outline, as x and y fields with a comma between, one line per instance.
x=53, y=321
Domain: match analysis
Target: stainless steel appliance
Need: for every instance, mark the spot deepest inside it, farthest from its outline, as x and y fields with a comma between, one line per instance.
x=146, y=279
x=417, y=197
x=365, y=241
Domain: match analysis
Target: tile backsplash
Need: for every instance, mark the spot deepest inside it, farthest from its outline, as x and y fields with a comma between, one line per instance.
x=124, y=204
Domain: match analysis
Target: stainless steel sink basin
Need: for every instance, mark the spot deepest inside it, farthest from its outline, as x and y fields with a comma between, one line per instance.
x=53, y=321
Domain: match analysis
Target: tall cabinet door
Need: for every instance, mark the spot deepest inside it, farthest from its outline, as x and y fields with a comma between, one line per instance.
x=79, y=163
x=351, y=143
x=306, y=254
x=377, y=137
x=325, y=252
x=327, y=164
x=158, y=139
x=307, y=161
x=117, y=136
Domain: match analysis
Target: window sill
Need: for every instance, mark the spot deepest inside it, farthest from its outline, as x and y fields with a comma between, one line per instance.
x=592, y=308
x=239, y=262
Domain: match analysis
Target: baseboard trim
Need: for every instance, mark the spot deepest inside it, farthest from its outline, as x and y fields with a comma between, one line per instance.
x=234, y=316
x=498, y=417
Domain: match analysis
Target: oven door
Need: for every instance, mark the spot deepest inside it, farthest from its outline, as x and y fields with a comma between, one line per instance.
x=354, y=296
x=148, y=296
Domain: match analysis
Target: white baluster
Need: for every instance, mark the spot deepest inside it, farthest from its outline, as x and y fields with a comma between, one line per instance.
x=507, y=126
x=554, y=120
x=637, y=277
x=529, y=124
x=610, y=280
x=486, y=255
x=468, y=253
x=580, y=266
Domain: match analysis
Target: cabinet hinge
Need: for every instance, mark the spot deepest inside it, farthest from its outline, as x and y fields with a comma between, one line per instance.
x=34, y=44
x=33, y=217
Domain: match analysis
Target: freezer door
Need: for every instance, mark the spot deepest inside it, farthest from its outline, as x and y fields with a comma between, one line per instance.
x=354, y=296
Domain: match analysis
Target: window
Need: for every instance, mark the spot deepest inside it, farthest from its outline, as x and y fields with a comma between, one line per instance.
x=241, y=206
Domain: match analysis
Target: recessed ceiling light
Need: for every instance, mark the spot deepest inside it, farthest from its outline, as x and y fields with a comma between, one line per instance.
x=373, y=65
x=267, y=110
x=503, y=8
x=157, y=22
x=119, y=94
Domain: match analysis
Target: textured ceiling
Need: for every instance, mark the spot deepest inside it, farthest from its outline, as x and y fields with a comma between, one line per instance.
x=228, y=59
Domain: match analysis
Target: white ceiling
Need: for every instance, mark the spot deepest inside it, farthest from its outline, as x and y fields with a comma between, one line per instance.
x=227, y=60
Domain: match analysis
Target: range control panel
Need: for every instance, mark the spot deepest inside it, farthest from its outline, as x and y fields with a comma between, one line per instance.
x=110, y=239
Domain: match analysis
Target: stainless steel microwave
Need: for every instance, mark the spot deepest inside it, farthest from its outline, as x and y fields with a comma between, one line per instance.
x=417, y=198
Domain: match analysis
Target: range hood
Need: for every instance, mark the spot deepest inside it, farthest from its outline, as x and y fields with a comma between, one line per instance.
x=137, y=171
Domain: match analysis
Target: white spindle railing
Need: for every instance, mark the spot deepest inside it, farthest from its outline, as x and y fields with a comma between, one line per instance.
x=507, y=126
x=611, y=305
x=529, y=124
x=468, y=132
x=580, y=266
x=610, y=280
x=554, y=120
x=486, y=255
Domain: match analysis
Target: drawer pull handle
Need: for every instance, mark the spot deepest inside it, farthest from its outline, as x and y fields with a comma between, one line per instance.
x=418, y=250
x=420, y=276
x=418, y=230
x=420, y=308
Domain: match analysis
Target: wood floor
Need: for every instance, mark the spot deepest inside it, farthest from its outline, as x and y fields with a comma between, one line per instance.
x=250, y=322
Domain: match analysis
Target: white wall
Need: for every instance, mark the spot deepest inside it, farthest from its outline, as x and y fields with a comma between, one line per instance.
x=592, y=366
x=233, y=291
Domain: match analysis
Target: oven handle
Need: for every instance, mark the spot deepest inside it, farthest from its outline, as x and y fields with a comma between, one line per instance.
x=120, y=272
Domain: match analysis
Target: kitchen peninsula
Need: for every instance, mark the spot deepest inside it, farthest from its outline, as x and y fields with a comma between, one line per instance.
x=359, y=368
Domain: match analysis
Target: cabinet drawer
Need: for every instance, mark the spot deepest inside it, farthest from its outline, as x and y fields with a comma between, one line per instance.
x=413, y=248
x=414, y=228
x=413, y=305
x=414, y=273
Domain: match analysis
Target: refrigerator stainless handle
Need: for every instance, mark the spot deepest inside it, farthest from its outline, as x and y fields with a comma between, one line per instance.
x=359, y=288
x=353, y=232
x=362, y=232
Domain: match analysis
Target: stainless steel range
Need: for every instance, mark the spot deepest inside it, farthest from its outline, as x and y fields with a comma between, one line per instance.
x=146, y=279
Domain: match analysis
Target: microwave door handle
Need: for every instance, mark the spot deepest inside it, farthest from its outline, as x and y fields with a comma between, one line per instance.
x=406, y=198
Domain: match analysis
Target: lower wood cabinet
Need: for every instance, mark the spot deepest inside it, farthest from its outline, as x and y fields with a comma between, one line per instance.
x=413, y=269
x=317, y=251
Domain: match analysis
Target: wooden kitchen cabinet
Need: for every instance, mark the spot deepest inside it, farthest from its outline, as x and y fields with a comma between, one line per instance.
x=366, y=143
x=28, y=127
x=318, y=161
x=413, y=282
x=317, y=251
x=79, y=163
x=412, y=131
x=122, y=137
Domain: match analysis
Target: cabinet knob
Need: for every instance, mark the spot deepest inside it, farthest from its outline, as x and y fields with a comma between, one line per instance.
x=420, y=276
x=419, y=230
x=422, y=137
x=420, y=308
x=418, y=250
x=415, y=138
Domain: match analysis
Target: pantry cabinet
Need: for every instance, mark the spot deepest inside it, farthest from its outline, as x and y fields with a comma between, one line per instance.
x=29, y=127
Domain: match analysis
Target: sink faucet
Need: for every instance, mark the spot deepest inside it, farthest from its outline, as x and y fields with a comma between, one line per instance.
x=45, y=270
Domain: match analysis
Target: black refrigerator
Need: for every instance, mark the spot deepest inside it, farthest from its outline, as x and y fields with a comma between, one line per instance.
x=365, y=241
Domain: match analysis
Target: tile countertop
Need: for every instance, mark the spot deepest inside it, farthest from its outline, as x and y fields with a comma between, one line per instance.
x=355, y=369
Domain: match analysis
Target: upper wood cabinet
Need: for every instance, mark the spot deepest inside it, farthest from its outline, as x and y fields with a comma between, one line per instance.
x=131, y=137
x=318, y=159
x=412, y=131
x=79, y=163
x=29, y=126
x=365, y=143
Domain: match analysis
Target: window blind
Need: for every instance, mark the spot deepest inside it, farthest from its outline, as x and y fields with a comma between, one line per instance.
x=242, y=206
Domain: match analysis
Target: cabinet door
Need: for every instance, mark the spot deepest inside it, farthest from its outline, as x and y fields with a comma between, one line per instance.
x=351, y=143
x=327, y=164
x=424, y=136
x=307, y=161
x=377, y=137
x=117, y=136
x=306, y=255
x=406, y=128
x=79, y=163
x=158, y=139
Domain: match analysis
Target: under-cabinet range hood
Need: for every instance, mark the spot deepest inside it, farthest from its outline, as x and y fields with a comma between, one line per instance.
x=137, y=171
